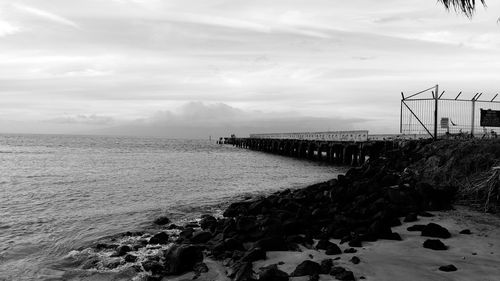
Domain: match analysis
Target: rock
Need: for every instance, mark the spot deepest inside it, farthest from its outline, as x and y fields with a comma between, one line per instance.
x=392, y=236
x=323, y=244
x=336, y=270
x=173, y=226
x=104, y=246
x=416, y=227
x=272, y=244
x=186, y=234
x=435, y=244
x=350, y=251
x=465, y=231
x=333, y=250
x=163, y=220
x=345, y=276
x=314, y=277
x=232, y=244
x=411, y=217
x=448, y=268
x=254, y=255
x=272, y=273
x=326, y=266
x=159, y=238
x=155, y=267
x=130, y=258
x=208, y=222
x=242, y=272
x=355, y=260
x=425, y=214
x=121, y=251
x=356, y=243
x=201, y=237
x=305, y=268
x=435, y=230
x=191, y=224
x=182, y=258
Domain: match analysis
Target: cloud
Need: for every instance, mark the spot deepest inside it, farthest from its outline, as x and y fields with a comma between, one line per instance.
x=7, y=28
x=46, y=15
x=200, y=120
x=90, y=119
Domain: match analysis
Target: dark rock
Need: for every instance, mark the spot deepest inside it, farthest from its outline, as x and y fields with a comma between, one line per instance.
x=201, y=237
x=465, y=231
x=159, y=238
x=272, y=244
x=254, y=255
x=356, y=243
x=435, y=244
x=345, y=276
x=130, y=258
x=305, y=268
x=272, y=273
x=182, y=258
x=121, y=251
x=162, y=220
x=104, y=246
x=336, y=270
x=155, y=267
x=326, y=266
x=236, y=209
x=186, y=234
x=392, y=236
x=426, y=214
x=314, y=277
x=350, y=251
x=435, y=230
x=448, y=268
x=417, y=227
x=333, y=250
x=232, y=244
x=173, y=226
x=355, y=260
x=411, y=217
x=242, y=272
x=208, y=222
x=323, y=244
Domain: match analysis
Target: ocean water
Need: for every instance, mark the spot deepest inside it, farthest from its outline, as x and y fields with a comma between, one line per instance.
x=61, y=193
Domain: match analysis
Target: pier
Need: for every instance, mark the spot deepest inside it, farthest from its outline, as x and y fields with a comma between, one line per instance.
x=351, y=148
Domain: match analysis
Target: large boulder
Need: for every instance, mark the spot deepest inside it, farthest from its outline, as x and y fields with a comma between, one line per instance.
x=201, y=237
x=254, y=255
x=162, y=220
x=306, y=268
x=272, y=273
x=182, y=258
x=435, y=244
x=208, y=222
x=159, y=238
x=435, y=230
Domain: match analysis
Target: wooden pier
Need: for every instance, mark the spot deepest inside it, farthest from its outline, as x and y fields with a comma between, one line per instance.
x=339, y=148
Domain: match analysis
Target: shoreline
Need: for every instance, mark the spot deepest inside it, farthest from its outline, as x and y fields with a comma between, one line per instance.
x=360, y=212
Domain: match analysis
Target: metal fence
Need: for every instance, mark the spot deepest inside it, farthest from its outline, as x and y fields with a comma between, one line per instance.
x=437, y=114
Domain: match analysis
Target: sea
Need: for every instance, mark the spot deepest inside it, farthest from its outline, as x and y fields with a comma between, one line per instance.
x=61, y=193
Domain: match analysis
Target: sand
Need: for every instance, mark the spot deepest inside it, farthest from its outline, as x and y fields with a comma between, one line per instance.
x=477, y=256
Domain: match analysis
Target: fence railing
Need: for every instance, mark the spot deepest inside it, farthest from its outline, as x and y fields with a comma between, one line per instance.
x=430, y=112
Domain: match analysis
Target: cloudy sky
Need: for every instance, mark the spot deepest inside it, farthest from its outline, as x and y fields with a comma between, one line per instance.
x=185, y=68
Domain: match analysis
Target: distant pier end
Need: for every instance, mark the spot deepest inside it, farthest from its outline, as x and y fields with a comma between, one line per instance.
x=336, y=147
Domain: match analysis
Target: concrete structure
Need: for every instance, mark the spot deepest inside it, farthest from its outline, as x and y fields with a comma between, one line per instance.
x=340, y=148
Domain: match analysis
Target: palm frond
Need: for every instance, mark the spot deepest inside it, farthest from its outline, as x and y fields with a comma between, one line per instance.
x=465, y=6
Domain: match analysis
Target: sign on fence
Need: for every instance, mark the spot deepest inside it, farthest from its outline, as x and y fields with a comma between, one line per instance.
x=445, y=123
x=490, y=118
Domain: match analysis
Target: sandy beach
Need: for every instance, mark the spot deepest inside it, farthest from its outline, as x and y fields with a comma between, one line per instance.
x=476, y=256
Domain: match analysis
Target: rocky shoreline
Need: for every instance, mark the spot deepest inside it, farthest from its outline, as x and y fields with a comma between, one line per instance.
x=334, y=219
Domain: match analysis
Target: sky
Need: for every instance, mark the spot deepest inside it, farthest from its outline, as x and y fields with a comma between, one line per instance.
x=190, y=69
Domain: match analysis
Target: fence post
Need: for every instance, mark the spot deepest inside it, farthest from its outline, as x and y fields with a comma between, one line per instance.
x=473, y=117
x=436, y=98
